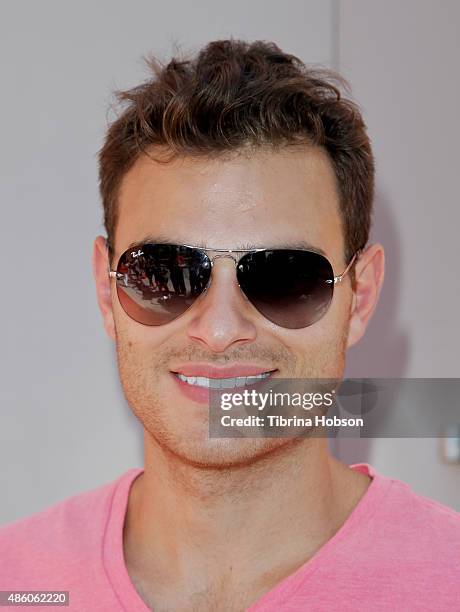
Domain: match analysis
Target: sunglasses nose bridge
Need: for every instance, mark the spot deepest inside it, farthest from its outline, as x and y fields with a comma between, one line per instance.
x=227, y=255
x=222, y=256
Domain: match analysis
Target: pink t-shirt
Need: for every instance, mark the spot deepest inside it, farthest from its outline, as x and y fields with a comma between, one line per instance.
x=396, y=551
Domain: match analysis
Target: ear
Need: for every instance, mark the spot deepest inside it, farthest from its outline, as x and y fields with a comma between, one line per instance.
x=369, y=274
x=102, y=279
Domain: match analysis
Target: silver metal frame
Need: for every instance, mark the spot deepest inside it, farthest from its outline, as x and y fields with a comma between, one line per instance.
x=336, y=279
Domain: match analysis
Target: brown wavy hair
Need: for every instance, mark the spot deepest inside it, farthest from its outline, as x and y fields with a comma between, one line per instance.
x=234, y=96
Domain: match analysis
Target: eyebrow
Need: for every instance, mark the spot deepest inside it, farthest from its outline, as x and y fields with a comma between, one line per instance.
x=163, y=239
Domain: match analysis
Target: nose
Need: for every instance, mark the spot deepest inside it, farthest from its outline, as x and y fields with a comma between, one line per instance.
x=222, y=315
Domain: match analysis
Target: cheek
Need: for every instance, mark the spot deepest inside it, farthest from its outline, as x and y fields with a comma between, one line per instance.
x=321, y=348
x=139, y=373
x=337, y=317
x=331, y=327
x=141, y=339
x=135, y=356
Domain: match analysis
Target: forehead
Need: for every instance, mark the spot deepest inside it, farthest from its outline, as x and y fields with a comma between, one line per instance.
x=264, y=199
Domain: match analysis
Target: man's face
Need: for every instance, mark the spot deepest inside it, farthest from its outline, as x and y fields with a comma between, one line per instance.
x=266, y=200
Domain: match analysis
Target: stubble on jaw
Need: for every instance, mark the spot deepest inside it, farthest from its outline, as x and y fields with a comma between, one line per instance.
x=141, y=374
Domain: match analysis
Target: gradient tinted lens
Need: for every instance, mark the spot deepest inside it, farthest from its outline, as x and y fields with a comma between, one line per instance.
x=158, y=282
x=291, y=288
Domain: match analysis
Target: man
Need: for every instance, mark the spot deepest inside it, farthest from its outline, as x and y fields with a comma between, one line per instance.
x=255, y=171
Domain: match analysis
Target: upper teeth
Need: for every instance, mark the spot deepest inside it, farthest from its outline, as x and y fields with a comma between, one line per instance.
x=222, y=383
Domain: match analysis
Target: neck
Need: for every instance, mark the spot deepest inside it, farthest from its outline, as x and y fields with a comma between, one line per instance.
x=266, y=518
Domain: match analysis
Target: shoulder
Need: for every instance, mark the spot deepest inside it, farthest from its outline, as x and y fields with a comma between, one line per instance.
x=422, y=511
x=417, y=529
x=67, y=533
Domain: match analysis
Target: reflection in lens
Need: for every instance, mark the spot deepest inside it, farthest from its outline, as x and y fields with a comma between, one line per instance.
x=158, y=282
x=289, y=287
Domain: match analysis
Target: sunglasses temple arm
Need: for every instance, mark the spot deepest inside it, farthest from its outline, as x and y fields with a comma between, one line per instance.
x=110, y=272
x=338, y=279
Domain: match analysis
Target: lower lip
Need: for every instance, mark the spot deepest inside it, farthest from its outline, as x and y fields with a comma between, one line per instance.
x=201, y=394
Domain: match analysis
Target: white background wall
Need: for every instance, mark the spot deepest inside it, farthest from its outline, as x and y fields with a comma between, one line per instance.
x=403, y=61
x=64, y=424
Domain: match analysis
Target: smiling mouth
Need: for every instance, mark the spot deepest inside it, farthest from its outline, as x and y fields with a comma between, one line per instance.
x=222, y=383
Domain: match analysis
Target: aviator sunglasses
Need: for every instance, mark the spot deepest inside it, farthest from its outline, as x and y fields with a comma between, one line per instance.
x=292, y=288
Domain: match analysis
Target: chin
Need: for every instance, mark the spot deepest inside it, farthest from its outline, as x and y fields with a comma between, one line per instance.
x=223, y=453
